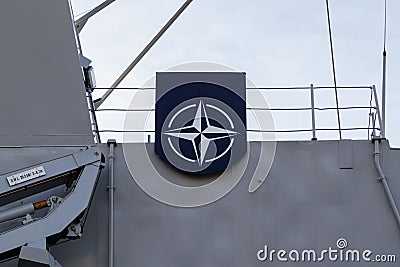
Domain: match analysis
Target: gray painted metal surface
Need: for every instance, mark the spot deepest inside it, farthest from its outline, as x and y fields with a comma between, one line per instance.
x=42, y=100
x=34, y=257
x=69, y=208
x=306, y=202
x=53, y=168
x=383, y=180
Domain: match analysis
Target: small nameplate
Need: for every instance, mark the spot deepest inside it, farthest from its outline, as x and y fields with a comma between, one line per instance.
x=26, y=176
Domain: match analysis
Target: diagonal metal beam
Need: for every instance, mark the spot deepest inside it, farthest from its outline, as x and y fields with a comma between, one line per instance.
x=81, y=22
x=100, y=101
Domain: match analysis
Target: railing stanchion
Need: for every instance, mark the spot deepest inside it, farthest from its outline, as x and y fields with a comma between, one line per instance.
x=378, y=112
x=93, y=115
x=314, y=134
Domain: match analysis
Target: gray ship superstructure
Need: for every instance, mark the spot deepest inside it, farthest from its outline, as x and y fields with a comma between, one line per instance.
x=201, y=188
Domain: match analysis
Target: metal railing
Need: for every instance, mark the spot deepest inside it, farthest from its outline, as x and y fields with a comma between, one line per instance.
x=372, y=121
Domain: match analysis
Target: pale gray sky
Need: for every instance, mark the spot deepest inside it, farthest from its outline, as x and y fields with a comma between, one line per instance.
x=277, y=43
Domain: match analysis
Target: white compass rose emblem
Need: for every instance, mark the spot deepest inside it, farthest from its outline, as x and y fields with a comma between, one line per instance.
x=201, y=133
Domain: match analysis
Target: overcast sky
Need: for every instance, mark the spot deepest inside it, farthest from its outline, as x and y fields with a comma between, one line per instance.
x=276, y=42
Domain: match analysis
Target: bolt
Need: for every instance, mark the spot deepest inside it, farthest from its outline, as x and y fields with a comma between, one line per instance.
x=96, y=153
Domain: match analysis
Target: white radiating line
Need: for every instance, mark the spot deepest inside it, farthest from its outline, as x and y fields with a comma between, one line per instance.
x=186, y=136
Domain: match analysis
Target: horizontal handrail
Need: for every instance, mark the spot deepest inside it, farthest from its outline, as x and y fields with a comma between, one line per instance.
x=253, y=130
x=256, y=109
x=125, y=110
x=374, y=122
x=255, y=88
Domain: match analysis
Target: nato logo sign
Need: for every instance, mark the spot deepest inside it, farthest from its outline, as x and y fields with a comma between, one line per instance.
x=200, y=120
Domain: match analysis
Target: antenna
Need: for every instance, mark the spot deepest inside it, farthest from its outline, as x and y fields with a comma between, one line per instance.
x=100, y=101
x=81, y=22
x=333, y=68
x=383, y=126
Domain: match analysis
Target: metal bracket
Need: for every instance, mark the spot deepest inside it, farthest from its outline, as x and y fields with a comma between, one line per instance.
x=63, y=212
x=74, y=231
x=32, y=256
